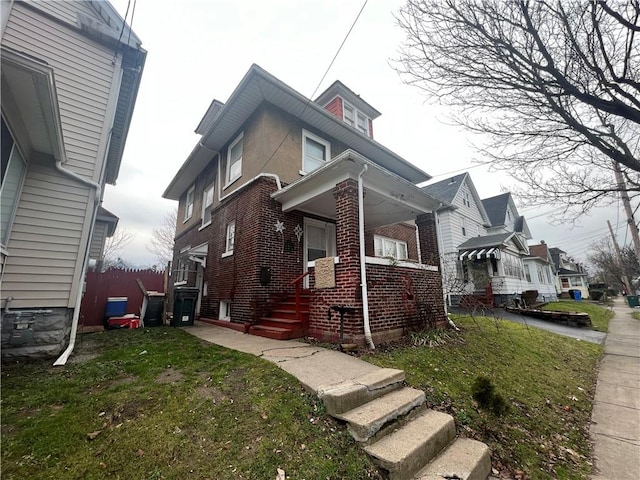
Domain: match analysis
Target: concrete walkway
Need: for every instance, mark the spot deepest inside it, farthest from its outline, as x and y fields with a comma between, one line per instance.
x=314, y=367
x=615, y=429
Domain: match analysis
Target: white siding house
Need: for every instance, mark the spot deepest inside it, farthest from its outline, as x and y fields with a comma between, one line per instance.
x=69, y=84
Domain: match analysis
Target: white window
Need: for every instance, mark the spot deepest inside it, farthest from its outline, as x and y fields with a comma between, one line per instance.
x=315, y=152
x=188, y=209
x=234, y=159
x=527, y=273
x=466, y=200
x=13, y=168
x=207, y=204
x=348, y=114
x=230, y=238
x=389, y=247
x=576, y=281
x=182, y=272
x=225, y=310
x=464, y=227
x=355, y=118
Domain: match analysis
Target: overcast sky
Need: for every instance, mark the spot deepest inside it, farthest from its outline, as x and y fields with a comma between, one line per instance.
x=199, y=50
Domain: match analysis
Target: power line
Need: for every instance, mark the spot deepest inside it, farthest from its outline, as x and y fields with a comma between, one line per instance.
x=298, y=117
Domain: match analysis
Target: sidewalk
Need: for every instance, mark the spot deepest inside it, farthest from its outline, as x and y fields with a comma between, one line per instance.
x=314, y=367
x=615, y=428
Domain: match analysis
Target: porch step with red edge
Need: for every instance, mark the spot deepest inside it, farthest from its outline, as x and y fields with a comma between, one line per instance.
x=274, y=333
x=287, y=313
x=278, y=322
x=239, y=327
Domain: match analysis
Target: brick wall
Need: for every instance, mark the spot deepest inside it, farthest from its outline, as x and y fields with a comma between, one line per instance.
x=398, y=231
x=258, y=247
x=335, y=107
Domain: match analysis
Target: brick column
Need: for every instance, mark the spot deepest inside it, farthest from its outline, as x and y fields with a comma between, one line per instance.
x=430, y=255
x=428, y=238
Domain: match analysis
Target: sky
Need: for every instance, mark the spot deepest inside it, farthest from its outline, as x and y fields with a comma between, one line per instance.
x=199, y=50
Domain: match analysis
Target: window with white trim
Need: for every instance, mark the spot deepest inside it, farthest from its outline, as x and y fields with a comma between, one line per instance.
x=355, y=118
x=466, y=199
x=181, y=272
x=13, y=169
x=464, y=227
x=315, y=152
x=188, y=208
x=207, y=204
x=389, y=247
x=230, y=238
x=234, y=159
x=225, y=310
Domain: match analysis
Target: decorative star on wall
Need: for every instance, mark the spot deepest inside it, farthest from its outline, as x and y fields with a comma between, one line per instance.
x=298, y=231
x=279, y=227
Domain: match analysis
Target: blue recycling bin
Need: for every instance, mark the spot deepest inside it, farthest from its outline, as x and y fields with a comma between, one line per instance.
x=577, y=295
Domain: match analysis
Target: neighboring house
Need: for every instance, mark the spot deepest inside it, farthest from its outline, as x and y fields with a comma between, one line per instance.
x=483, y=242
x=282, y=195
x=570, y=275
x=106, y=224
x=70, y=77
x=539, y=272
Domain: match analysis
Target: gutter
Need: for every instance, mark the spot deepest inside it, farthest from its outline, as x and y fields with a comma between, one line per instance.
x=363, y=263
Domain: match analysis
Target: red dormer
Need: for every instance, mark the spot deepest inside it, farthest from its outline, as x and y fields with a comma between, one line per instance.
x=349, y=107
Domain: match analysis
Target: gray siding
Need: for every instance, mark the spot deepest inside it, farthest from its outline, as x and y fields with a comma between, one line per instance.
x=45, y=240
x=97, y=242
x=52, y=223
x=83, y=75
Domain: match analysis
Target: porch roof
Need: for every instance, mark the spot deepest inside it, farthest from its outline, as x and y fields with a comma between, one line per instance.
x=388, y=198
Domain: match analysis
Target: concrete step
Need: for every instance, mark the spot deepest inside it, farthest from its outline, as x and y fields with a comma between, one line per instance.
x=409, y=448
x=464, y=459
x=274, y=333
x=366, y=420
x=349, y=395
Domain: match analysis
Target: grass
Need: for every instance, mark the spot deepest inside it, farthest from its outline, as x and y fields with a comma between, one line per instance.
x=599, y=316
x=160, y=404
x=547, y=380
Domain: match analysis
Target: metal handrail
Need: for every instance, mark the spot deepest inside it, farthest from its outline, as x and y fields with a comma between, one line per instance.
x=297, y=281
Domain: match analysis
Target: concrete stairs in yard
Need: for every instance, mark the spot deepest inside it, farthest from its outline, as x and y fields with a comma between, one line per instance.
x=406, y=439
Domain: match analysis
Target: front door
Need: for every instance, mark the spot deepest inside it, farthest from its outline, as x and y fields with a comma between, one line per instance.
x=319, y=242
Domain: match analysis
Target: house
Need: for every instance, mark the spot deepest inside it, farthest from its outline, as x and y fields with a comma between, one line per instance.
x=539, y=272
x=483, y=243
x=570, y=275
x=291, y=215
x=70, y=77
x=105, y=227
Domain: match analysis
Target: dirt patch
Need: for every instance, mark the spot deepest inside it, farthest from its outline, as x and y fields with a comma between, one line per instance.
x=111, y=383
x=170, y=375
x=211, y=393
x=131, y=411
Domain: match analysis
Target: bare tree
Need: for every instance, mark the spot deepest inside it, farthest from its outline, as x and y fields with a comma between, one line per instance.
x=115, y=245
x=606, y=268
x=162, y=238
x=552, y=86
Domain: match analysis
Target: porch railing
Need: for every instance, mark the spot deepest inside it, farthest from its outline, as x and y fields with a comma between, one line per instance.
x=298, y=283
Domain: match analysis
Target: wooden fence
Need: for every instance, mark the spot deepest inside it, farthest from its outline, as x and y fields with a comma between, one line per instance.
x=115, y=283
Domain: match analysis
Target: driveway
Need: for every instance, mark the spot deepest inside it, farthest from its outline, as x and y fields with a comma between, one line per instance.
x=579, y=333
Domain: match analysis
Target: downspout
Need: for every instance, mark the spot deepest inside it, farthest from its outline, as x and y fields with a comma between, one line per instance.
x=62, y=359
x=363, y=263
x=447, y=298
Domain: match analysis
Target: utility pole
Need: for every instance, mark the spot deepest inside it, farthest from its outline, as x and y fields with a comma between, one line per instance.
x=623, y=269
x=627, y=208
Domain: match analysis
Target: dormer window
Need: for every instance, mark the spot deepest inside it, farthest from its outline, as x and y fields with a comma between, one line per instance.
x=355, y=118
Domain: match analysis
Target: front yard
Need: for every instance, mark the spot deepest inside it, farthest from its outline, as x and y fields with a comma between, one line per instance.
x=160, y=404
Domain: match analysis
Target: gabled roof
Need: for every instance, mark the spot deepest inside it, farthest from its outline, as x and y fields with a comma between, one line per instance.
x=259, y=86
x=496, y=208
x=566, y=271
x=494, y=240
x=109, y=218
x=339, y=88
x=447, y=189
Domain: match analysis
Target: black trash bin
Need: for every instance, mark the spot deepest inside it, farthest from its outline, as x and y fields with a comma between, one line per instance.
x=184, y=306
x=153, y=306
